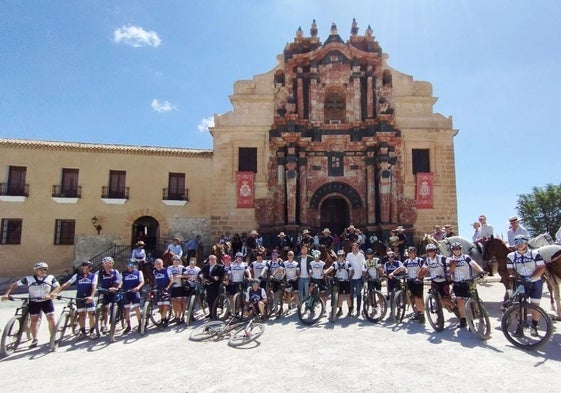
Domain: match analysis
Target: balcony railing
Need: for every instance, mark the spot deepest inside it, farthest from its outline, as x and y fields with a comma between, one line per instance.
x=175, y=195
x=59, y=192
x=14, y=189
x=106, y=193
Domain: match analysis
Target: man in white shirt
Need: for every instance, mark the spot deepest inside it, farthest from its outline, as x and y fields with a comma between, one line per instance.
x=515, y=230
x=357, y=261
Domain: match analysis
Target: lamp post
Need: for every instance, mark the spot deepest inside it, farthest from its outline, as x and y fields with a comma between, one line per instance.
x=97, y=227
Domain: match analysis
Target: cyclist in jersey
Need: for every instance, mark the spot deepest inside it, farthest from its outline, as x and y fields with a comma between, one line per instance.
x=316, y=270
x=110, y=280
x=163, y=282
x=133, y=280
x=393, y=267
x=239, y=272
x=191, y=276
x=256, y=297
x=258, y=267
x=435, y=266
x=343, y=273
x=414, y=265
x=41, y=286
x=529, y=266
x=372, y=270
x=86, y=284
x=274, y=271
x=461, y=271
x=292, y=270
x=178, y=298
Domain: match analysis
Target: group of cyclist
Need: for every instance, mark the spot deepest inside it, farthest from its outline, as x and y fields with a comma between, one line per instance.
x=296, y=274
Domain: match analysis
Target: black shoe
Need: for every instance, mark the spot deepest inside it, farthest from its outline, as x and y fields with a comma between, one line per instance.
x=462, y=323
x=181, y=320
x=421, y=319
x=34, y=343
x=127, y=329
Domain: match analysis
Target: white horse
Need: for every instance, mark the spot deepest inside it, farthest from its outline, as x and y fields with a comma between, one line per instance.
x=468, y=248
x=551, y=255
x=543, y=239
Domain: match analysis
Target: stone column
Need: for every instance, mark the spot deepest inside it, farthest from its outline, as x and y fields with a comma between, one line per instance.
x=385, y=187
x=369, y=97
x=300, y=94
x=291, y=188
x=303, y=168
x=370, y=190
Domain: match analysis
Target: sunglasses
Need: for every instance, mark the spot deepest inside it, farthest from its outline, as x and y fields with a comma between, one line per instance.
x=519, y=241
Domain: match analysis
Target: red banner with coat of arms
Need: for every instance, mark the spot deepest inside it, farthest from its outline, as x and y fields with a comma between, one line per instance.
x=424, y=190
x=245, y=189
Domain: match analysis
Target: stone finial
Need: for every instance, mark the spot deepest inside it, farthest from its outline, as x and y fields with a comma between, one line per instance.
x=314, y=29
x=369, y=31
x=354, y=27
x=333, y=29
x=299, y=32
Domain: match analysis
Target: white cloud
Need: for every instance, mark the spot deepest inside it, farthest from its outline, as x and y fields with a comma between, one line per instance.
x=162, y=106
x=136, y=37
x=205, y=124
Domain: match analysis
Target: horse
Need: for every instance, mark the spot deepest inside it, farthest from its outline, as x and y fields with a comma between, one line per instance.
x=445, y=247
x=543, y=239
x=496, y=248
x=219, y=250
x=327, y=255
x=425, y=240
x=380, y=249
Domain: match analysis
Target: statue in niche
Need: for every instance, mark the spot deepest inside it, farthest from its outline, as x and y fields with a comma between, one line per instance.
x=385, y=188
x=281, y=99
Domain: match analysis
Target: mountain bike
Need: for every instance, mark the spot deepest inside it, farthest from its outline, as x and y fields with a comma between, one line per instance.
x=114, y=315
x=238, y=300
x=14, y=330
x=151, y=311
x=374, y=302
x=434, y=308
x=222, y=303
x=516, y=322
x=400, y=299
x=334, y=295
x=477, y=317
x=250, y=331
x=197, y=307
x=312, y=307
x=239, y=329
x=68, y=320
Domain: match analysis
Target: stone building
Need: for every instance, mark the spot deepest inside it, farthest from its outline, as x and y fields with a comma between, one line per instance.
x=329, y=137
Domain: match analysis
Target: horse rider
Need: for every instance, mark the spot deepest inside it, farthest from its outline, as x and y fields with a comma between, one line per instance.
x=515, y=230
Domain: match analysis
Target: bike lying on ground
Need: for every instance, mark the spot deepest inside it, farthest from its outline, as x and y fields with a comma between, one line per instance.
x=517, y=319
x=14, y=330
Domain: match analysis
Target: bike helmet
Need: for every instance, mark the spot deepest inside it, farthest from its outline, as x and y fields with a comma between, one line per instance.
x=370, y=251
x=520, y=239
x=340, y=252
x=256, y=281
x=227, y=258
x=87, y=263
x=40, y=265
x=239, y=255
x=316, y=253
x=431, y=247
x=107, y=260
x=456, y=245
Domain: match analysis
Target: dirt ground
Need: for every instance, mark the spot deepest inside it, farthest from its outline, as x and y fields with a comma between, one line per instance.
x=352, y=355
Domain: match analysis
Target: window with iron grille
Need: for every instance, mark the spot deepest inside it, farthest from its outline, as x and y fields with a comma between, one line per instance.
x=10, y=232
x=16, y=180
x=117, y=184
x=64, y=232
x=69, y=183
x=176, y=186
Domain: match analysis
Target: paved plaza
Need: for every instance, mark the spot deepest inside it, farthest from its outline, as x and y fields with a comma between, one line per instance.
x=353, y=355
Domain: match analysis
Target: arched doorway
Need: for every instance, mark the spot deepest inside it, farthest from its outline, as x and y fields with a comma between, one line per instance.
x=147, y=229
x=334, y=214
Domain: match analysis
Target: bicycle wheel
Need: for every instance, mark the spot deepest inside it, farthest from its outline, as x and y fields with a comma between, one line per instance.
x=477, y=318
x=375, y=306
x=398, y=305
x=433, y=309
x=60, y=329
x=98, y=319
x=237, y=305
x=516, y=325
x=75, y=323
x=222, y=306
x=311, y=310
x=245, y=334
x=145, y=317
x=334, y=302
x=270, y=306
x=155, y=315
x=113, y=315
x=207, y=330
x=11, y=336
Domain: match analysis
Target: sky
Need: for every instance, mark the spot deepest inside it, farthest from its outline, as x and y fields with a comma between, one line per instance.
x=153, y=73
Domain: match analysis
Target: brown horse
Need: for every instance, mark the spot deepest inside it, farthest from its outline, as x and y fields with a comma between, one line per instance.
x=379, y=248
x=496, y=248
x=219, y=250
x=327, y=255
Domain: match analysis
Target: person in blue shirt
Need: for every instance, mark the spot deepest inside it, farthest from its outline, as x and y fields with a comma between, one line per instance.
x=86, y=284
x=133, y=281
x=110, y=280
x=163, y=283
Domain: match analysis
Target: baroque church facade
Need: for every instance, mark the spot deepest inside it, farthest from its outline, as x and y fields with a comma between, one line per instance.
x=331, y=136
